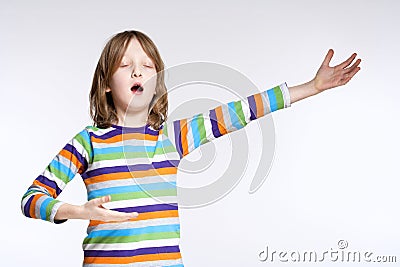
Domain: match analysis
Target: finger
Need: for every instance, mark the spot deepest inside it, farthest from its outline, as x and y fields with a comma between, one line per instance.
x=349, y=76
x=328, y=58
x=117, y=215
x=102, y=200
x=352, y=67
x=347, y=62
x=352, y=72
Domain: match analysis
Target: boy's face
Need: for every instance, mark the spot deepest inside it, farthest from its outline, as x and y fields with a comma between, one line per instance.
x=135, y=67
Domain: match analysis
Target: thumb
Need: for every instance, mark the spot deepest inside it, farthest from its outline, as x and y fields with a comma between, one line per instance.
x=328, y=58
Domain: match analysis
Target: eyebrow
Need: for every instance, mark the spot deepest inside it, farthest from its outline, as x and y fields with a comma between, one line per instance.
x=127, y=58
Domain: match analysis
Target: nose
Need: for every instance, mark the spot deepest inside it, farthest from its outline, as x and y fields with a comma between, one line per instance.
x=136, y=73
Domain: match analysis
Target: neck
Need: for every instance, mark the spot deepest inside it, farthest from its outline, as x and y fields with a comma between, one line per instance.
x=133, y=119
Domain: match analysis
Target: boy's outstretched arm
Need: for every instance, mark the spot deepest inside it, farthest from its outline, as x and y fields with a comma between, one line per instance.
x=187, y=134
x=326, y=78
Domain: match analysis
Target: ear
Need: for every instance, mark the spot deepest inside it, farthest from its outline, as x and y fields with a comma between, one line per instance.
x=108, y=90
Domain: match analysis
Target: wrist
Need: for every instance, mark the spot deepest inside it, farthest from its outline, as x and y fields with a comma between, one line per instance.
x=79, y=212
x=69, y=211
x=312, y=87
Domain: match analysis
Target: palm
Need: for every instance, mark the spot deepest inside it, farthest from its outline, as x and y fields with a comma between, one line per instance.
x=329, y=77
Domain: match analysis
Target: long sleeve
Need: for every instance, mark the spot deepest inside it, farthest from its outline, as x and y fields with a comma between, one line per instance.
x=189, y=133
x=39, y=201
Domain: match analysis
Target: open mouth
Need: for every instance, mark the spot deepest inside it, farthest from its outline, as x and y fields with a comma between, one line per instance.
x=137, y=87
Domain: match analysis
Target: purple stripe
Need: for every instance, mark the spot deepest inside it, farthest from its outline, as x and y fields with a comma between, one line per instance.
x=27, y=205
x=214, y=123
x=78, y=155
x=178, y=143
x=105, y=170
x=149, y=208
x=142, y=130
x=50, y=183
x=107, y=135
x=253, y=107
x=119, y=131
x=130, y=253
x=130, y=168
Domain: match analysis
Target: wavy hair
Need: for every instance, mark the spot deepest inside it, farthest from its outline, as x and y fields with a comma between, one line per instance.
x=102, y=109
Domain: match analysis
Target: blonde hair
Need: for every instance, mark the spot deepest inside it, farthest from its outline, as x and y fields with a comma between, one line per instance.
x=102, y=109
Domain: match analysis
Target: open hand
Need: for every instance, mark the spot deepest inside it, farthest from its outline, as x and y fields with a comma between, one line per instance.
x=94, y=210
x=329, y=77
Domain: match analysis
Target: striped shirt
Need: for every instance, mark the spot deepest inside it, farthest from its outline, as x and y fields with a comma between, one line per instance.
x=137, y=166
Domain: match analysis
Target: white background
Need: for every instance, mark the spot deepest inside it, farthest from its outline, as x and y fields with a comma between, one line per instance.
x=334, y=175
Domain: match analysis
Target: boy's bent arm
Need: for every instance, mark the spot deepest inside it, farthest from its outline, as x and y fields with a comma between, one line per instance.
x=39, y=201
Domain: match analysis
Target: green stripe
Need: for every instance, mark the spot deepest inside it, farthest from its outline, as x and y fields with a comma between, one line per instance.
x=279, y=97
x=165, y=129
x=49, y=208
x=62, y=176
x=239, y=112
x=143, y=194
x=124, y=155
x=30, y=192
x=84, y=139
x=134, y=238
x=202, y=129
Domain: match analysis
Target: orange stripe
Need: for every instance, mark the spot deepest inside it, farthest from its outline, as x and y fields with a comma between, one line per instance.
x=51, y=190
x=33, y=205
x=127, y=136
x=170, y=256
x=130, y=175
x=259, y=105
x=220, y=120
x=144, y=216
x=132, y=259
x=67, y=154
x=184, y=132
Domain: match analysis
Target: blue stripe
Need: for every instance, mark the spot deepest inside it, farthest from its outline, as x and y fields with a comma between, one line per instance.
x=234, y=119
x=195, y=130
x=62, y=168
x=131, y=148
x=43, y=207
x=131, y=188
x=135, y=231
x=272, y=100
